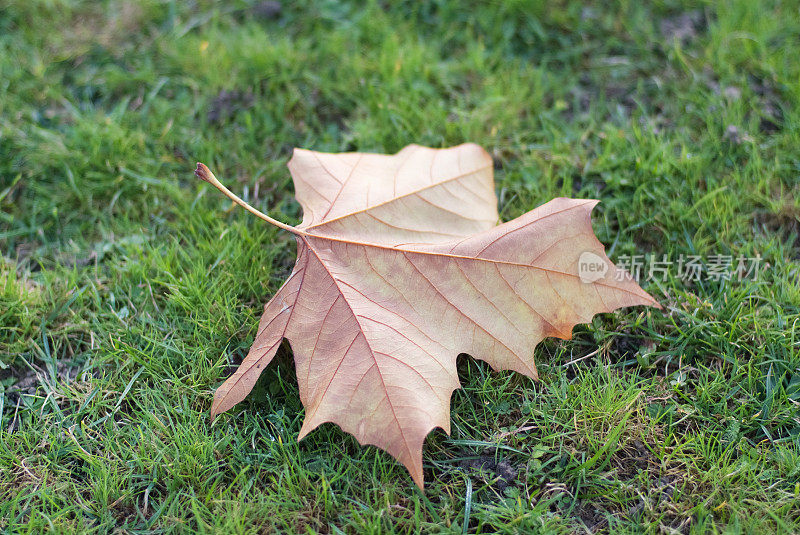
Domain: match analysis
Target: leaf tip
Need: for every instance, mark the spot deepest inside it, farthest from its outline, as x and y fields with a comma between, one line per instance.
x=217, y=407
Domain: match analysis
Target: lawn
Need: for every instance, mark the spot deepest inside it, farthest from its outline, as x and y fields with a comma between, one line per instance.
x=129, y=290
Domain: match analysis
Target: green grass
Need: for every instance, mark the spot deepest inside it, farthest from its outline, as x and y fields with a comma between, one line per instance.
x=128, y=289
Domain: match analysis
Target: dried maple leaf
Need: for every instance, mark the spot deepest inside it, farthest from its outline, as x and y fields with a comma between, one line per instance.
x=402, y=265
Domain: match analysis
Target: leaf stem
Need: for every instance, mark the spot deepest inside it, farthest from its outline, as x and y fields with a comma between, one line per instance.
x=204, y=173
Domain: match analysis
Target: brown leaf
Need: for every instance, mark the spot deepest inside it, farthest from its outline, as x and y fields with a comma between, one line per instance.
x=400, y=267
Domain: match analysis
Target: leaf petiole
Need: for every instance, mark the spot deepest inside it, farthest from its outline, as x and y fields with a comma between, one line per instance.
x=204, y=173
